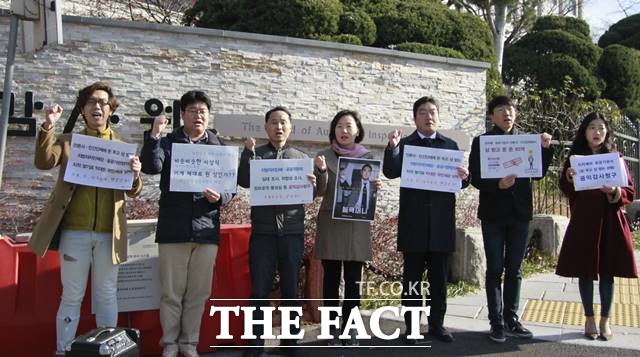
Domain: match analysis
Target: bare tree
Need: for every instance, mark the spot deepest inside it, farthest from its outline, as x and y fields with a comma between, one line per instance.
x=509, y=20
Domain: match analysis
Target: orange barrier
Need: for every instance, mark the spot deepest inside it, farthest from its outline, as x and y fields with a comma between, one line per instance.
x=30, y=291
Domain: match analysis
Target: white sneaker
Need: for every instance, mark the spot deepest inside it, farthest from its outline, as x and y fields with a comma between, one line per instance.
x=170, y=351
x=189, y=351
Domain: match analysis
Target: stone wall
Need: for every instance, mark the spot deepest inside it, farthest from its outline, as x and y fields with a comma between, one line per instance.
x=243, y=73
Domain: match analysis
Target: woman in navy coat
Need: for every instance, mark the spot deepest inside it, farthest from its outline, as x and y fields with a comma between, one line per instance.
x=597, y=243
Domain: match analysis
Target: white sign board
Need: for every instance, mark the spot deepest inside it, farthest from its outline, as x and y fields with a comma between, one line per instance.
x=504, y=155
x=100, y=163
x=281, y=182
x=139, y=276
x=195, y=168
x=425, y=168
x=595, y=171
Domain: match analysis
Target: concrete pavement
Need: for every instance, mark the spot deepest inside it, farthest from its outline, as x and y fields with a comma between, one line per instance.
x=549, y=306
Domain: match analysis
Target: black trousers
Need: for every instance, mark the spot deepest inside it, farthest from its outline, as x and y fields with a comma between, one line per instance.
x=266, y=253
x=331, y=286
x=436, y=264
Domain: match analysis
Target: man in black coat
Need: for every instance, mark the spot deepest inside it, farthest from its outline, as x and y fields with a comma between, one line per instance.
x=426, y=223
x=505, y=210
x=188, y=230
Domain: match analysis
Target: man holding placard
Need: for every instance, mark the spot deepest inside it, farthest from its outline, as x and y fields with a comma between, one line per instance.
x=188, y=228
x=426, y=223
x=502, y=164
x=277, y=231
x=85, y=219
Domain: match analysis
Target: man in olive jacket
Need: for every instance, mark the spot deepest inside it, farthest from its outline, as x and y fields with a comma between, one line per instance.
x=427, y=221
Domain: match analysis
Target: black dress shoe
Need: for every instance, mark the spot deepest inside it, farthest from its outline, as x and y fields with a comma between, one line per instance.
x=441, y=334
x=407, y=340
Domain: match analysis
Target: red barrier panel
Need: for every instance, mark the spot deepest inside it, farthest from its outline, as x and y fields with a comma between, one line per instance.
x=30, y=292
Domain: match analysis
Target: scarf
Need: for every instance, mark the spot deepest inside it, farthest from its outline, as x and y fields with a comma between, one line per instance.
x=356, y=150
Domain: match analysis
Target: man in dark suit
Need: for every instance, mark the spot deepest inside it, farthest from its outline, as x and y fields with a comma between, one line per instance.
x=363, y=193
x=426, y=223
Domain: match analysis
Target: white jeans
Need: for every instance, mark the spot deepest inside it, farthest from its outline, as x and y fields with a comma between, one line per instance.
x=79, y=251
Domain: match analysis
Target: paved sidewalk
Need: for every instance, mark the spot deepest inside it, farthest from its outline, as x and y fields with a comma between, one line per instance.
x=550, y=307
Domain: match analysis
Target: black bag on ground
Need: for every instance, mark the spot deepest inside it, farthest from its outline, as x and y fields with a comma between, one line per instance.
x=106, y=341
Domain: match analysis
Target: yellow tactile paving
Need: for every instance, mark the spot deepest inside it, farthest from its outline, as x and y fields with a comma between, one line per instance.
x=625, y=309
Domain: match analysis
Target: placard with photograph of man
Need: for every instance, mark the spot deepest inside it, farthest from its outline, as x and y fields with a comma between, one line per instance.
x=355, y=196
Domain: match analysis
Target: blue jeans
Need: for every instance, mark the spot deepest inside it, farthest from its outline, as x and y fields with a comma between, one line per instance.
x=266, y=253
x=504, y=247
x=81, y=252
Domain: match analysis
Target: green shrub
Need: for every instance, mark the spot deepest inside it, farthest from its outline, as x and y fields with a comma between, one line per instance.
x=561, y=42
x=219, y=14
x=619, y=66
x=625, y=32
x=342, y=38
x=549, y=54
x=295, y=18
x=575, y=26
x=633, y=113
x=428, y=49
x=358, y=23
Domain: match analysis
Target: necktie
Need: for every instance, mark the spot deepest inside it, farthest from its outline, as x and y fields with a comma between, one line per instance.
x=427, y=142
x=363, y=203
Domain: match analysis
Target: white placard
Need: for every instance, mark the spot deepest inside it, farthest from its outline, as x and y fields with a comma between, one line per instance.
x=100, y=163
x=425, y=168
x=195, y=168
x=504, y=155
x=595, y=171
x=355, y=194
x=280, y=182
x=139, y=276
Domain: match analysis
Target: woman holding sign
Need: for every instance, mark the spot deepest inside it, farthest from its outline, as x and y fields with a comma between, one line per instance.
x=343, y=245
x=597, y=243
x=86, y=224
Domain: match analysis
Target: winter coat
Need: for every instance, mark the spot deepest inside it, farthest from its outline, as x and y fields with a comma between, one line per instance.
x=598, y=239
x=339, y=239
x=183, y=216
x=51, y=152
x=512, y=204
x=427, y=219
x=275, y=219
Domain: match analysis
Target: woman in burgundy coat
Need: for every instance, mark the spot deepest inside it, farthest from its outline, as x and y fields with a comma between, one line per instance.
x=598, y=240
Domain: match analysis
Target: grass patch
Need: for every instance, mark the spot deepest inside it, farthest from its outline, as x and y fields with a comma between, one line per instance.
x=538, y=263
x=635, y=236
x=461, y=288
x=390, y=291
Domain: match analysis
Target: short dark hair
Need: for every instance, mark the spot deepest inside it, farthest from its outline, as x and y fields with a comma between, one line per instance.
x=194, y=96
x=366, y=165
x=277, y=109
x=421, y=101
x=336, y=119
x=499, y=101
x=85, y=93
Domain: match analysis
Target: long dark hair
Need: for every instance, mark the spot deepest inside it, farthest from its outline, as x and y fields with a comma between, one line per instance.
x=580, y=145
